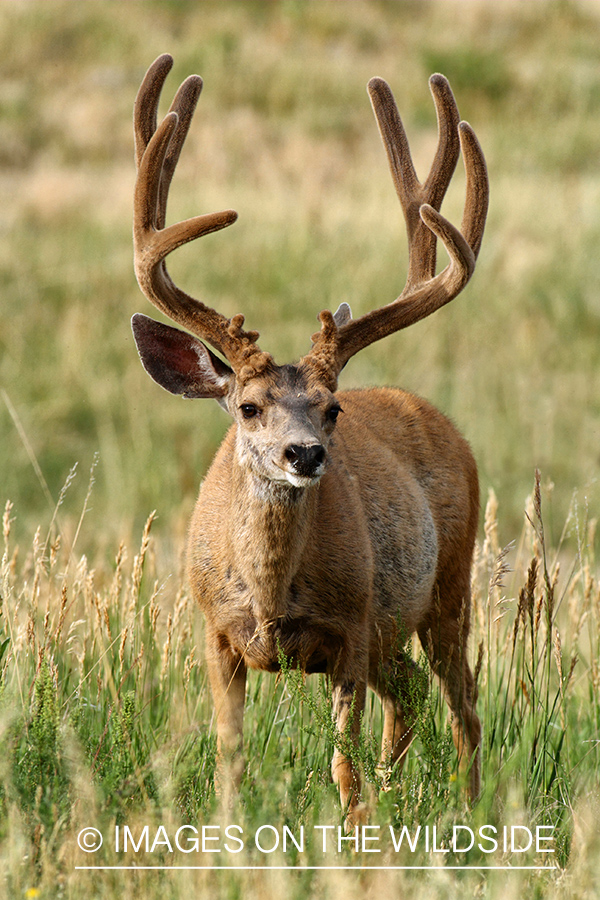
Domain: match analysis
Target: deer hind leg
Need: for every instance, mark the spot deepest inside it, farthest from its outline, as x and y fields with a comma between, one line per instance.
x=397, y=734
x=398, y=685
x=445, y=641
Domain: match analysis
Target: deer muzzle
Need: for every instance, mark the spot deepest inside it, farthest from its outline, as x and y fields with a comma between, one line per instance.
x=306, y=460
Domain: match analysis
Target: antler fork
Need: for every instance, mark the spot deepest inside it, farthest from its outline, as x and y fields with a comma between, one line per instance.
x=157, y=151
x=424, y=292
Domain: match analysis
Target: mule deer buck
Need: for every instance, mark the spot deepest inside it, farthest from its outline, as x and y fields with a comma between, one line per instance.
x=328, y=523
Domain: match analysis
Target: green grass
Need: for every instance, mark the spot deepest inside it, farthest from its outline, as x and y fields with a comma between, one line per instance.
x=106, y=716
x=106, y=721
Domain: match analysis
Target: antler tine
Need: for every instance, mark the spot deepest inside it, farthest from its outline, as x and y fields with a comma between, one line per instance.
x=340, y=336
x=184, y=105
x=411, y=193
x=157, y=152
x=448, y=148
x=477, y=188
x=145, y=108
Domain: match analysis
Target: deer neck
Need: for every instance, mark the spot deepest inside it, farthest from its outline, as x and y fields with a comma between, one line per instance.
x=270, y=526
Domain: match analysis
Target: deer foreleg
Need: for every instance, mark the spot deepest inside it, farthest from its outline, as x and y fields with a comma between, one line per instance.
x=227, y=675
x=348, y=704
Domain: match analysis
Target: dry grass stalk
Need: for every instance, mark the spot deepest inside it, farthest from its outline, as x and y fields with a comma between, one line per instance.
x=6, y=523
x=526, y=600
x=491, y=545
x=124, y=634
x=138, y=568
x=189, y=664
x=117, y=581
x=166, y=656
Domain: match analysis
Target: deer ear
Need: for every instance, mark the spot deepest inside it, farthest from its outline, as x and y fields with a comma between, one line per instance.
x=179, y=362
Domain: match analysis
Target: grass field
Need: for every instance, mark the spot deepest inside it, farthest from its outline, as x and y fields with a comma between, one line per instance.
x=105, y=714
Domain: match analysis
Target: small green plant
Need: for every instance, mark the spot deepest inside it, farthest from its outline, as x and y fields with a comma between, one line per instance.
x=320, y=724
x=40, y=779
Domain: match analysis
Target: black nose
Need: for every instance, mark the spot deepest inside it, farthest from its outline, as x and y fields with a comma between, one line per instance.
x=305, y=459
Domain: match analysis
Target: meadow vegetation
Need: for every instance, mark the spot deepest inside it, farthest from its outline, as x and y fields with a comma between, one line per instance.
x=105, y=713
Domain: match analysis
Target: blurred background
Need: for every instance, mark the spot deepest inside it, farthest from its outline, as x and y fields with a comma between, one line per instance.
x=284, y=134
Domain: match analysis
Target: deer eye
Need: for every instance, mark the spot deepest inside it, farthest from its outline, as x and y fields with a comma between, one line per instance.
x=249, y=410
x=333, y=413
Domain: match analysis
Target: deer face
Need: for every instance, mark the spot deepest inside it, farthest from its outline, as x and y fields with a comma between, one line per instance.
x=285, y=415
x=285, y=419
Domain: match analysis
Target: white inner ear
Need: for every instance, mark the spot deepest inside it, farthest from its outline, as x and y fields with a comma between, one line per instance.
x=206, y=367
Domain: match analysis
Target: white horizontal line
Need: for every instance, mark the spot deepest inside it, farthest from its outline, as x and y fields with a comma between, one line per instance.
x=329, y=868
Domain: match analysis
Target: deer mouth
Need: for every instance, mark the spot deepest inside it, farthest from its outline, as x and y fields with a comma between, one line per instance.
x=300, y=479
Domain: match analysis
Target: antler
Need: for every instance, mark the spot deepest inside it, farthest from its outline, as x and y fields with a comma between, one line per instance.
x=341, y=336
x=157, y=151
